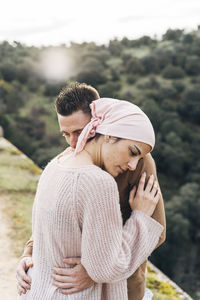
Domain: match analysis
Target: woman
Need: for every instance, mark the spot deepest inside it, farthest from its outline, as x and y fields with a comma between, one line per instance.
x=76, y=209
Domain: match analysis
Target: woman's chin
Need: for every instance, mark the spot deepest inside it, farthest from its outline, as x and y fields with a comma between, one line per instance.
x=114, y=173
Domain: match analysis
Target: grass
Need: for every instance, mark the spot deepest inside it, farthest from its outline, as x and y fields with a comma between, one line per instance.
x=162, y=290
x=18, y=181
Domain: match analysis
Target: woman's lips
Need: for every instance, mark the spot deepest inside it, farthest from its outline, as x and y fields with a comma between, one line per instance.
x=121, y=170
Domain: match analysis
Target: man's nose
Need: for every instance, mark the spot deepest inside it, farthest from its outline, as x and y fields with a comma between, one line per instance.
x=133, y=164
x=73, y=141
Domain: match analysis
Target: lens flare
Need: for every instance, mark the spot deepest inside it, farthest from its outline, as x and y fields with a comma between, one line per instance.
x=56, y=64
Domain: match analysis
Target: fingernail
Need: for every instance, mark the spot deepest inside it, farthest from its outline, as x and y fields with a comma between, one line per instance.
x=144, y=173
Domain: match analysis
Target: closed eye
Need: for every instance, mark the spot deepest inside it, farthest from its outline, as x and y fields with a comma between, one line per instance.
x=65, y=134
x=132, y=153
x=78, y=132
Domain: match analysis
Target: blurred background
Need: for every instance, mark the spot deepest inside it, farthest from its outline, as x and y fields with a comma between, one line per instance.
x=146, y=52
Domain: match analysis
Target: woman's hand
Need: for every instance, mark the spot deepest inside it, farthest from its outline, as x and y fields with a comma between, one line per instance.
x=145, y=199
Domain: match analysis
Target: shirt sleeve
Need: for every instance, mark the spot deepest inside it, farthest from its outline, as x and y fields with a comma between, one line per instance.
x=111, y=252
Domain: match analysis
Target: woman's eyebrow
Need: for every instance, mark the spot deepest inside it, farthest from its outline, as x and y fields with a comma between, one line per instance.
x=139, y=152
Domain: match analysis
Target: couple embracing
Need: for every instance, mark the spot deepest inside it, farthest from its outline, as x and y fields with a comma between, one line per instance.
x=98, y=212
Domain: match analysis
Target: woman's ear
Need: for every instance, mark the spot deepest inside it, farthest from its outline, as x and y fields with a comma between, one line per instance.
x=110, y=139
x=106, y=138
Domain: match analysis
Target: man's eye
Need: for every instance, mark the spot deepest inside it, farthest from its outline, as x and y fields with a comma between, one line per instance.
x=64, y=134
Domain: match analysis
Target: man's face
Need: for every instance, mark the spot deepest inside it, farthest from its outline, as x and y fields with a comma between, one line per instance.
x=72, y=125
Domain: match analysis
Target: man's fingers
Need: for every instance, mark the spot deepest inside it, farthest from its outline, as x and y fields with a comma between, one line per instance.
x=27, y=263
x=23, y=276
x=20, y=290
x=63, y=285
x=69, y=291
x=63, y=271
x=72, y=260
x=63, y=279
x=23, y=284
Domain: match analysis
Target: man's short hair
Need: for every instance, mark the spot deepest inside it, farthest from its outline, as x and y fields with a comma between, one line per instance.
x=77, y=96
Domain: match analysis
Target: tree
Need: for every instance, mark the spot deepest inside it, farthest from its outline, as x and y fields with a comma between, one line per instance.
x=173, y=35
x=150, y=64
x=173, y=72
x=192, y=65
x=92, y=72
x=183, y=230
x=189, y=106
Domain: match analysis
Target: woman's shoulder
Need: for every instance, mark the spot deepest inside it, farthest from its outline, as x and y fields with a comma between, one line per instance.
x=97, y=187
x=96, y=176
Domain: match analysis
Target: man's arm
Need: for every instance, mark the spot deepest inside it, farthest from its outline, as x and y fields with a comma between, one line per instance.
x=23, y=280
x=28, y=249
x=149, y=167
x=137, y=283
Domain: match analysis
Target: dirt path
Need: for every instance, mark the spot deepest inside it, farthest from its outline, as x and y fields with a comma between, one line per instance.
x=8, y=261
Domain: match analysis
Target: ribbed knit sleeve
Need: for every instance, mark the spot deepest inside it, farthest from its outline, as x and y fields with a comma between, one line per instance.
x=109, y=251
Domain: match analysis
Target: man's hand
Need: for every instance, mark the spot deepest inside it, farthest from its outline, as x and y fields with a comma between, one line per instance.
x=72, y=280
x=23, y=280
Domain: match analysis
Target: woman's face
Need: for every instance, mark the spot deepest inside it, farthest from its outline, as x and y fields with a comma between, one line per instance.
x=121, y=155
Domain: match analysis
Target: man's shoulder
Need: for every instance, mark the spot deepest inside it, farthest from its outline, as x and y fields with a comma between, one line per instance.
x=149, y=161
x=149, y=165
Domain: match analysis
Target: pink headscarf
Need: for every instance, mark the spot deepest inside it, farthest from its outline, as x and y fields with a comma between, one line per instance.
x=119, y=119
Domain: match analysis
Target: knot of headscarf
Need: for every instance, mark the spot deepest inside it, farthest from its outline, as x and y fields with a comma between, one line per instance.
x=117, y=118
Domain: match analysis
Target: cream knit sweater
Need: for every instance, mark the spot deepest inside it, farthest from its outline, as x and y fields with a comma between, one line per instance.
x=76, y=213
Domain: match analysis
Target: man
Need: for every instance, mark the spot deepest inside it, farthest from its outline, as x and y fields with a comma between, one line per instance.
x=73, y=110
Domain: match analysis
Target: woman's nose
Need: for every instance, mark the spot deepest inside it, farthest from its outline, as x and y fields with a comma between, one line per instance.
x=133, y=164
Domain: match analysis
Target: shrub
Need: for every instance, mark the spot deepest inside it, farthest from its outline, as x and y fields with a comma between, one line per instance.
x=172, y=72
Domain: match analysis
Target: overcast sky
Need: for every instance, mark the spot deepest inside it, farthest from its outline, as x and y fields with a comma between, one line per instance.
x=47, y=22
